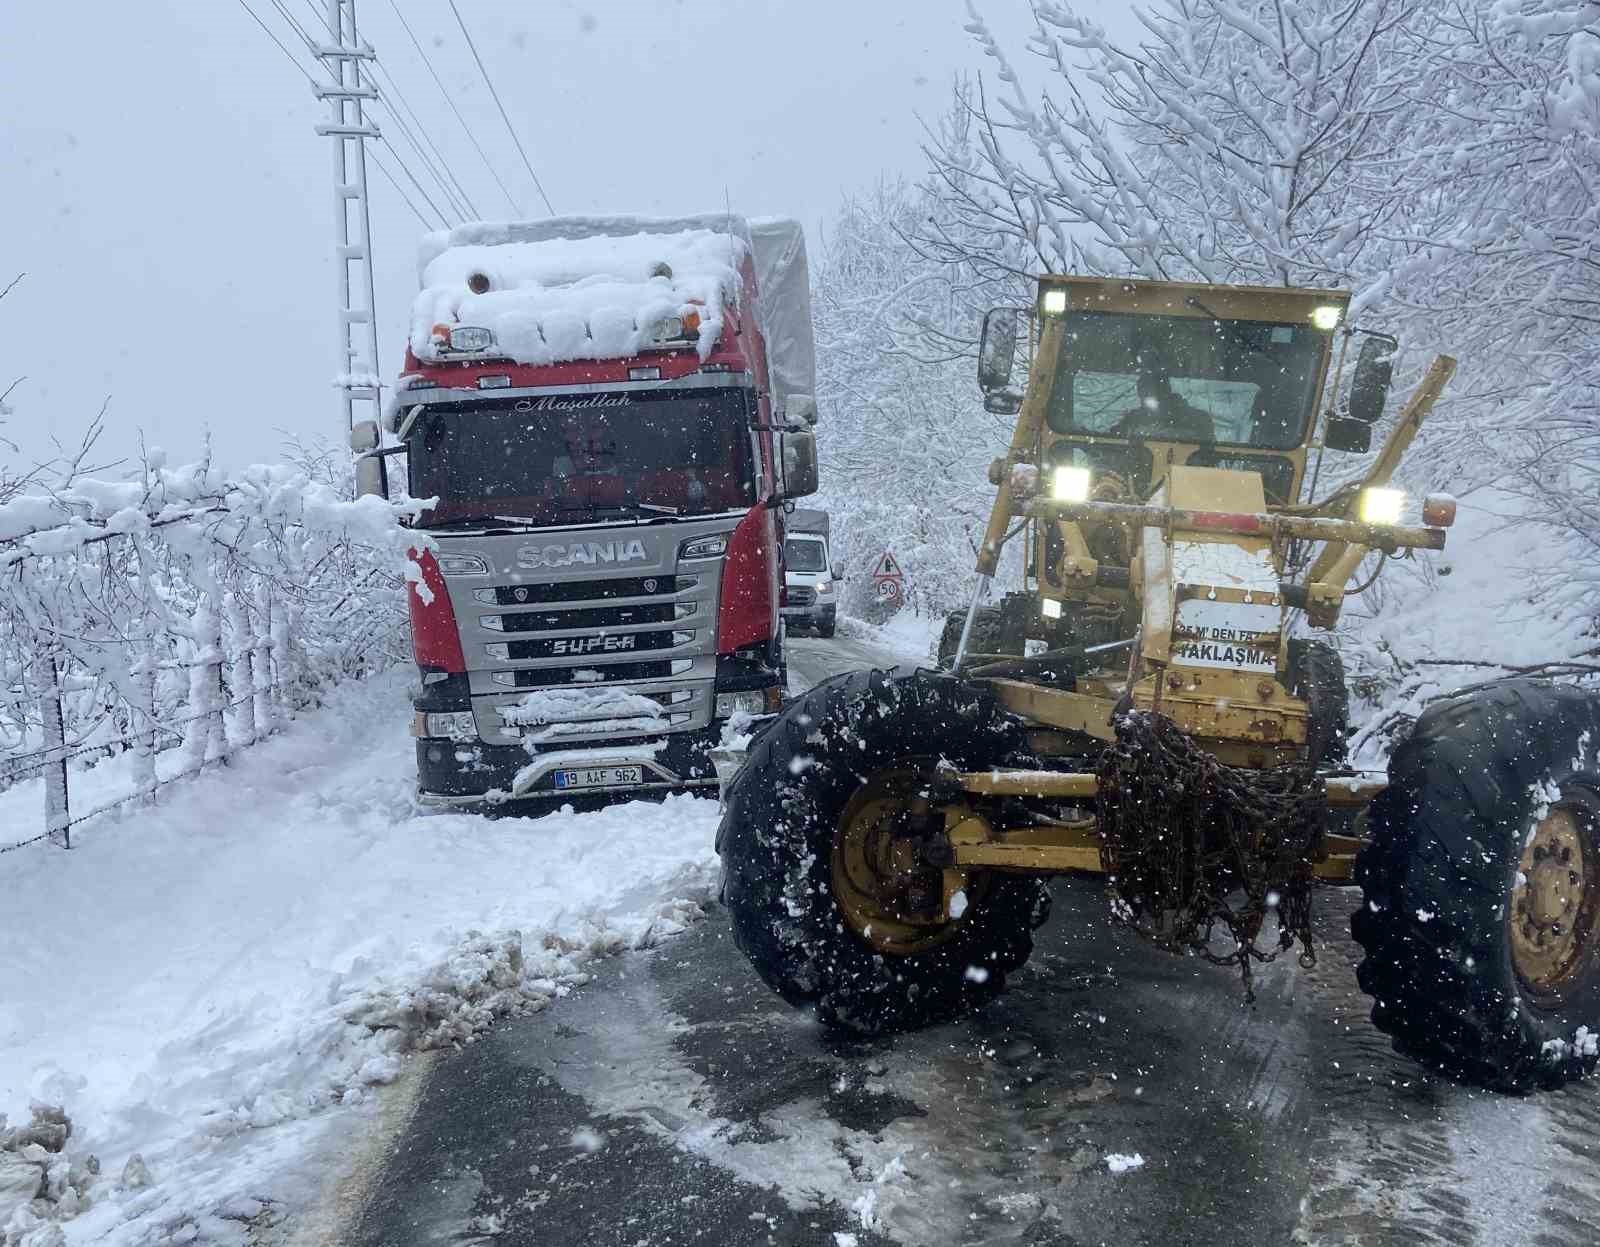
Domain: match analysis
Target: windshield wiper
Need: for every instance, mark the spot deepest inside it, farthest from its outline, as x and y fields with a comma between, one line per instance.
x=484, y=521
x=631, y=509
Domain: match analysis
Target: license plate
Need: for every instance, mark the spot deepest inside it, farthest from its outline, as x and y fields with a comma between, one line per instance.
x=600, y=777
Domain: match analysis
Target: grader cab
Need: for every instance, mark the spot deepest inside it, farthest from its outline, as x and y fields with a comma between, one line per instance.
x=1148, y=707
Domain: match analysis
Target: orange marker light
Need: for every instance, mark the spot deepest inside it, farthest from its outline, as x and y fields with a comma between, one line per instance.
x=1438, y=510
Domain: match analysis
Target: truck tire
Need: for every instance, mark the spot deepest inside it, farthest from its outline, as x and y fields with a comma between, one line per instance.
x=786, y=840
x=1316, y=676
x=985, y=638
x=827, y=625
x=1481, y=922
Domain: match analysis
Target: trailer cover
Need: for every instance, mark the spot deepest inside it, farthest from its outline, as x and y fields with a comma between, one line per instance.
x=785, y=285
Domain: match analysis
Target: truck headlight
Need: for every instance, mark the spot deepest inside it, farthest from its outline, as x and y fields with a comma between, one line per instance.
x=824, y=587
x=455, y=724
x=1070, y=485
x=461, y=565
x=470, y=338
x=1382, y=506
x=750, y=701
x=704, y=547
x=1053, y=302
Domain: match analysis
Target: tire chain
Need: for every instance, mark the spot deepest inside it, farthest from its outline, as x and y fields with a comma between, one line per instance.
x=1180, y=832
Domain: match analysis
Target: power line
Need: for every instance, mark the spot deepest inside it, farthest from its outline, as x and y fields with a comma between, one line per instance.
x=504, y=116
x=450, y=183
x=312, y=79
x=450, y=100
x=311, y=46
x=460, y=202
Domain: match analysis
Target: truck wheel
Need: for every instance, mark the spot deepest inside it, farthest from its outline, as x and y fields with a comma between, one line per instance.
x=1316, y=676
x=827, y=625
x=818, y=889
x=1481, y=925
x=985, y=638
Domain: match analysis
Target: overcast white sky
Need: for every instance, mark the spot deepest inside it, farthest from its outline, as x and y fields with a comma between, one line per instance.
x=172, y=208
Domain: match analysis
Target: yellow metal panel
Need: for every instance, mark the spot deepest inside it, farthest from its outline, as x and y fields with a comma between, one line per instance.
x=1054, y=708
x=1216, y=489
x=1030, y=783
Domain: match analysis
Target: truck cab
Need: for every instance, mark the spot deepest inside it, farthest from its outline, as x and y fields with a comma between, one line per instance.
x=811, y=580
x=603, y=418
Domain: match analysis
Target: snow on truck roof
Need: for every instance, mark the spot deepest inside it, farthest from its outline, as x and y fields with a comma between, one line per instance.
x=571, y=288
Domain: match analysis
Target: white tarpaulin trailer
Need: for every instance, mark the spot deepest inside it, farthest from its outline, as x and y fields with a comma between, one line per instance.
x=784, y=280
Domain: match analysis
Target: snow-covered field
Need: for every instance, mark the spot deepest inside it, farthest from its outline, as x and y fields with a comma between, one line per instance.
x=214, y=982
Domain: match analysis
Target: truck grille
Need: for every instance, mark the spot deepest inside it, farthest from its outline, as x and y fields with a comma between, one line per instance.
x=586, y=590
x=801, y=596
x=596, y=617
x=609, y=673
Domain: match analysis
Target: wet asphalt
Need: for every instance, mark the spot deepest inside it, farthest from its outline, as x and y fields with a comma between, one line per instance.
x=674, y=1100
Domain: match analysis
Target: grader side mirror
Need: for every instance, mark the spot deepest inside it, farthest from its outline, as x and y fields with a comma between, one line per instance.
x=1344, y=433
x=997, y=348
x=1369, y=387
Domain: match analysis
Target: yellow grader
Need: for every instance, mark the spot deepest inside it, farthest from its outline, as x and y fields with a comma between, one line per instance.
x=1148, y=708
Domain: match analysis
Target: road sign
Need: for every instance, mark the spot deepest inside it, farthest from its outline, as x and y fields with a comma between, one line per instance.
x=889, y=588
x=887, y=568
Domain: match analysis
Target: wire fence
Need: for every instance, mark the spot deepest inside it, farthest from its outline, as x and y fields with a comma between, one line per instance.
x=210, y=726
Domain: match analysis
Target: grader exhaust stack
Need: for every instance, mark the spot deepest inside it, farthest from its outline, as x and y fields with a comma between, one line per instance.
x=1148, y=706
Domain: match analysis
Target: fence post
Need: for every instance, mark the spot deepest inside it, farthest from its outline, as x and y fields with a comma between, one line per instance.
x=241, y=683
x=207, y=736
x=57, y=817
x=261, y=678
x=144, y=740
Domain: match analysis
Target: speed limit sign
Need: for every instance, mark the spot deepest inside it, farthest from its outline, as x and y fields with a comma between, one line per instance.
x=888, y=589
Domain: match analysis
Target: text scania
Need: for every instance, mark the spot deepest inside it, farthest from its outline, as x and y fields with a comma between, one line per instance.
x=582, y=553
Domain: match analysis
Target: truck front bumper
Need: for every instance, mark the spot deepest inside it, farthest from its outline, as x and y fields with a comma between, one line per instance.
x=455, y=774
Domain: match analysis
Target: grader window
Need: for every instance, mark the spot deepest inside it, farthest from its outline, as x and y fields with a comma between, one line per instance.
x=1186, y=379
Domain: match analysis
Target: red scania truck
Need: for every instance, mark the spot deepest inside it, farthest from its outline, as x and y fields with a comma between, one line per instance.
x=607, y=416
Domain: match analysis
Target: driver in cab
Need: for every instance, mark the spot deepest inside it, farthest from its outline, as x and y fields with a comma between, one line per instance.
x=1162, y=413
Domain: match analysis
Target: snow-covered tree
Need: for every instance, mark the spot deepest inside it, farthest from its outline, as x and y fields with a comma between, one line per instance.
x=907, y=440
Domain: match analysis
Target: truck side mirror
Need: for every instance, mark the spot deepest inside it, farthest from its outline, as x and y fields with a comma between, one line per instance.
x=801, y=409
x=371, y=479
x=997, y=348
x=836, y=572
x=1369, y=387
x=799, y=450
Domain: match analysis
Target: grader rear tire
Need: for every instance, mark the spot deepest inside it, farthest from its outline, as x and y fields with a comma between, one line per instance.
x=985, y=638
x=797, y=849
x=1481, y=922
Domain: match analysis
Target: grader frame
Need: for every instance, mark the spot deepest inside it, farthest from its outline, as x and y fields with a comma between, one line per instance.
x=1244, y=718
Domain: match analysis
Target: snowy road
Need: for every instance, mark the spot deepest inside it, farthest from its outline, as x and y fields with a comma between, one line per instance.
x=675, y=1100
x=812, y=660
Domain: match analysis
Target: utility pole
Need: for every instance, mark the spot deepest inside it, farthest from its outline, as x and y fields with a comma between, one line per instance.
x=360, y=393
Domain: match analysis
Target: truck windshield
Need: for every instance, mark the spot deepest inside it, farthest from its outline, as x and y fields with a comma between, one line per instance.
x=561, y=459
x=803, y=554
x=1187, y=379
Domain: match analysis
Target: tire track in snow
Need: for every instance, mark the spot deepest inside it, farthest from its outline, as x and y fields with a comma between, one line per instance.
x=1415, y=1159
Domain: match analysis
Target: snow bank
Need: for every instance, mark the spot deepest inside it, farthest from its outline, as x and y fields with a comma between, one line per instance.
x=215, y=983
x=579, y=287
x=910, y=637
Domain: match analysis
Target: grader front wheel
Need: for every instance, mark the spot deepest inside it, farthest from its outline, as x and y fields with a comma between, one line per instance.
x=830, y=891
x=1481, y=922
